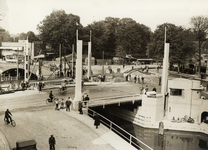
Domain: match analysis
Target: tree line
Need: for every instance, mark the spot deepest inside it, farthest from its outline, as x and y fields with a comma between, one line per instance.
x=120, y=37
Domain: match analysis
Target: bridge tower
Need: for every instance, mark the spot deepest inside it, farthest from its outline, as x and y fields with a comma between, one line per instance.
x=78, y=78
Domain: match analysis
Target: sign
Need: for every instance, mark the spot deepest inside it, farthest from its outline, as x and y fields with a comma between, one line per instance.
x=38, y=42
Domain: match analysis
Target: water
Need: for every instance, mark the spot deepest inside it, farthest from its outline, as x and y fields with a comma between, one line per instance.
x=171, y=140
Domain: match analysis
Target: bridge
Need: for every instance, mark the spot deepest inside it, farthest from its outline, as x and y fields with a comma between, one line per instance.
x=115, y=100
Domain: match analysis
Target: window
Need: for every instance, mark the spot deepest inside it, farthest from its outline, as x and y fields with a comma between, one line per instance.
x=176, y=92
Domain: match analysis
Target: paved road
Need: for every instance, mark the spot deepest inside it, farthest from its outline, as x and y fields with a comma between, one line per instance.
x=40, y=123
x=37, y=120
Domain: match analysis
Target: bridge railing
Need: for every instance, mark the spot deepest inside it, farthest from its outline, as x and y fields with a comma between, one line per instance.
x=101, y=100
x=124, y=134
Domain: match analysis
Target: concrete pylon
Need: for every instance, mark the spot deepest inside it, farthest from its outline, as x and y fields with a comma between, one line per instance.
x=165, y=69
x=89, y=60
x=165, y=77
x=78, y=76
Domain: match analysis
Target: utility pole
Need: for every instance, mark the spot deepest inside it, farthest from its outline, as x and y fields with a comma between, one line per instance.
x=103, y=64
x=65, y=62
x=72, y=73
x=17, y=65
x=60, y=60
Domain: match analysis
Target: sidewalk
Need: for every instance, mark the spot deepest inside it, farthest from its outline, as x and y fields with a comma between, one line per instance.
x=106, y=134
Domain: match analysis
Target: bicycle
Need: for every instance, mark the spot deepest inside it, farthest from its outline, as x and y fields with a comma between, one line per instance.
x=53, y=100
x=13, y=123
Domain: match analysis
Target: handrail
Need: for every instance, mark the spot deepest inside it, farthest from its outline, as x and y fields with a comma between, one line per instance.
x=97, y=101
x=111, y=127
x=115, y=97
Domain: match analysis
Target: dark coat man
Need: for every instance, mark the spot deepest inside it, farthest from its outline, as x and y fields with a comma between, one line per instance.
x=97, y=120
x=68, y=103
x=51, y=96
x=7, y=116
x=86, y=99
x=52, y=142
x=40, y=87
x=80, y=108
x=159, y=80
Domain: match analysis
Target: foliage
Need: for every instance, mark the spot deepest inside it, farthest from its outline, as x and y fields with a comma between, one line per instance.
x=200, y=29
x=30, y=35
x=180, y=39
x=118, y=37
x=59, y=28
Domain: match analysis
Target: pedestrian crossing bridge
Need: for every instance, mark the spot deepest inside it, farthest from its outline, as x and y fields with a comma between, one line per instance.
x=115, y=100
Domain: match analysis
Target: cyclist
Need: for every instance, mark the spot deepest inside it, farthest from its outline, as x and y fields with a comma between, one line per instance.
x=51, y=96
x=7, y=116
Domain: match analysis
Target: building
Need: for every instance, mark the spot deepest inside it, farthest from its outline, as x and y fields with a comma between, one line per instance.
x=9, y=51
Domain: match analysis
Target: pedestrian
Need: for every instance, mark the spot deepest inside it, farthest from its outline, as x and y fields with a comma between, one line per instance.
x=57, y=104
x=158, y=69
x=154, y=89
x=68, y=103
x=142, y=80
x=86, y=99
x=159, y=80
x=80, y=108
x=146, y=89
x=138, y=78
x=135, y=78
x=52, y=142
x=97, y=120
x=40, y=87
x=62, y=104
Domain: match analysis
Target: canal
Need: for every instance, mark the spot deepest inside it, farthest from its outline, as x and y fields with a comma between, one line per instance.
x=171, y=140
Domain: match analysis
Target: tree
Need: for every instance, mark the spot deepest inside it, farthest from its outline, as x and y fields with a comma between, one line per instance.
x=32, y=37
x=59, y=28
x=200, y=28
x=180, y=39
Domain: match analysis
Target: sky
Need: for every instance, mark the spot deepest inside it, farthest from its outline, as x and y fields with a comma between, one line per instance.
x=24, y=15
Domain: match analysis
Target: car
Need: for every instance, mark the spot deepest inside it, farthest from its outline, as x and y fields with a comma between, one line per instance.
x=26, y=145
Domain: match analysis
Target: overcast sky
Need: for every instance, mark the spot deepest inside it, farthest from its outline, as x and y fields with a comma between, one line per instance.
x=24, y=15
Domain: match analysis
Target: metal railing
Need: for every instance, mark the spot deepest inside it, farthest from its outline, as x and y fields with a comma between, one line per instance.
x=117, y=99
x=124, y=134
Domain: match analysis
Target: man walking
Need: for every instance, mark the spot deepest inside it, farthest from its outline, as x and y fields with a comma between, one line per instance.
x=52, y=142
x=68, y=103
x=142, y=80
x=86, y=99
x=80, y=108
x=97, y=120
x=135, y=78
x=159, y=80
x=40, y=87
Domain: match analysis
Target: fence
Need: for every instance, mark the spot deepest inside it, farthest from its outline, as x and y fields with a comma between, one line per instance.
x=124, y=134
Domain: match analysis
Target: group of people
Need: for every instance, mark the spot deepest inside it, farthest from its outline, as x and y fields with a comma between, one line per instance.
x=138, y=79
x=85, y=100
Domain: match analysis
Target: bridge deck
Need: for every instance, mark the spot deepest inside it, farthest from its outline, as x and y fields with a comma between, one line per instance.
x=114, y=100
